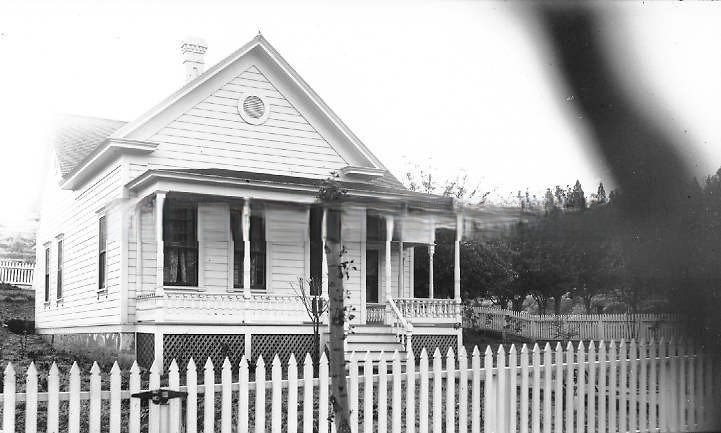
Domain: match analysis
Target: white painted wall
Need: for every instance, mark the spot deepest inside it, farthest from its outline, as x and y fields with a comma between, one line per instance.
x=75, y=214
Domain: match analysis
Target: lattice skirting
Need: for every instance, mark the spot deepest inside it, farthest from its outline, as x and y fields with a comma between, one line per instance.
x=200, y=347
x=430, y=342
x=144, y=349
x=268, y=345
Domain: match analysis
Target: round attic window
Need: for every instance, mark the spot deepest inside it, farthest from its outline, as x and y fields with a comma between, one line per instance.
x=253, y=108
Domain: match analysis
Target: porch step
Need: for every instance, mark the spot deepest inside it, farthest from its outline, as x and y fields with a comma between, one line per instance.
x=372, y=340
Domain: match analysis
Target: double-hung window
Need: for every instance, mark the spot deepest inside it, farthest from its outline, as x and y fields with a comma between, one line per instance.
x=59, y=292
x=180, y=242
x=102, y=247
x=257, y=251
x=47, y=274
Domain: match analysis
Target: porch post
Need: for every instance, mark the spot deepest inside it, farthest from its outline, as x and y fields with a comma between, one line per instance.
x=245, y=221
x=401, y=276
x=159, y=247
x=389, y=238
x=431, y=251
x=457, y=261
x=324, y=265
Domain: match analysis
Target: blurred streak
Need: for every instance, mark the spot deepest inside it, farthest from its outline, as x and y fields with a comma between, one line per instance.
x=659, y=200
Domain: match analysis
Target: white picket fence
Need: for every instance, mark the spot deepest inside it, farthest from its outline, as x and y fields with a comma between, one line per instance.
x=575, y=326
x=616, y=387
x=16, y=272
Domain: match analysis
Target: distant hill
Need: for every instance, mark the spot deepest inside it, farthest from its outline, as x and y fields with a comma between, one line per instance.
x=17, y=240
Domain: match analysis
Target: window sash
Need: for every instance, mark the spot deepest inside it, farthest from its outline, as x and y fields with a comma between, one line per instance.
x=258, y=266
x=59, y=291
x=102, y=245
x=47, y=274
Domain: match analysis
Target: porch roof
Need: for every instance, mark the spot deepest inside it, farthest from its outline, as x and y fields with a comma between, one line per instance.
x=384, y=188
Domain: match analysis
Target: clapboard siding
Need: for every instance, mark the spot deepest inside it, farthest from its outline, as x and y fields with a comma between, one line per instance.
x=214, y=234
x=75, y=214
x=149, y=272
x=213, y=135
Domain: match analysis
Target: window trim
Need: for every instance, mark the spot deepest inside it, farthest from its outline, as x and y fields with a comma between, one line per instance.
x=102, y=252
x=60, y=259
x=46, y=281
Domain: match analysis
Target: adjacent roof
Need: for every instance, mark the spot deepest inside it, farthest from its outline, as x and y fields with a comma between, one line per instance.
x=76, y=137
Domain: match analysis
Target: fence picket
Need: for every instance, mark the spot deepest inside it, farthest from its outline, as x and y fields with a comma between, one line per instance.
x=54, y=398
x=602, y=387
x=308, y=394
x=513, y=389
x=623, y=386
x=663, y=386
x=368, y=393
x=450, y=391
x=652, y=384
x=591, y=389
x=353, y=392
x=31, y=399
x=191, y=401
x=323, y=394
x=208, y=396
x=115, y=401
x=292, y=394
x=397, y=397
x=9, y=398
x=569, y=387
x=673, y=385
x=475, y=391
x=547, y=388
x=691, y=363
x=382, y=395
x=74, y=404
x=94, y=407
x=226, y=397
x=633, y=386
x=423, y=392
x=558, y=390
x=437, y=391
x=276, y=374
x=411, y=392
x=259, y=396
x=524, y=389
x=700, y=384
x=643, y=386
x=536, y=392
x=501, y=398
x=580, y=388
x=174, y=404
x=134, y=406
x=488, y=394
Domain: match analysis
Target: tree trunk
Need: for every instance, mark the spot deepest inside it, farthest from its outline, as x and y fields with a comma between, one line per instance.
x=557, y=305
x=336, y=317
x=517, y=304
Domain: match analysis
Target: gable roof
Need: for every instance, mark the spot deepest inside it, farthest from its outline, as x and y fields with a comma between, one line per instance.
x=76, y=137
x=82, y=137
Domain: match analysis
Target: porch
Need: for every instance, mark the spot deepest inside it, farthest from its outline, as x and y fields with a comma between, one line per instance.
x=206, y=259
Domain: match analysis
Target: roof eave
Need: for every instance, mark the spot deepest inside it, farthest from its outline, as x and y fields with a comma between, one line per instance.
x=105, y=152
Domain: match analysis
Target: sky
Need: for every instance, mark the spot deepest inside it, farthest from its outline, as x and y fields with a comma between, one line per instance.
x=451, y=86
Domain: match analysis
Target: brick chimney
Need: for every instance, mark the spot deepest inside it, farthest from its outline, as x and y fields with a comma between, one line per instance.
x=193, y=50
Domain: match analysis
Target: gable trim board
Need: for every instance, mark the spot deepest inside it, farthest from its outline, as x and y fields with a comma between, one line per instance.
x=257, y=55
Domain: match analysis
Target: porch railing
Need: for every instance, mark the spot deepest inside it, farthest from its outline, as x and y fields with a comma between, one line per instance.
x=375, y=313
x=401, y=327
x=431, y=310
x=230, y=308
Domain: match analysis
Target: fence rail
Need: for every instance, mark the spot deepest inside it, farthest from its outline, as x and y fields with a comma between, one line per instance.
x=607, y=387
x=16, y=272
x=574, y=326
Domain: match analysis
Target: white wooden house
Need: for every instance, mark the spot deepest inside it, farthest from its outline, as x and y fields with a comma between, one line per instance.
x=183, y=232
